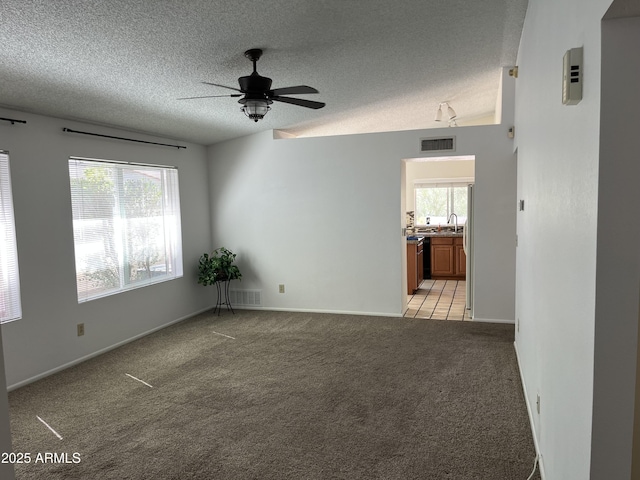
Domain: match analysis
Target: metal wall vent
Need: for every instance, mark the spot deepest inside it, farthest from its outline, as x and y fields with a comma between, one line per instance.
x=447, y=144
x=246, y=297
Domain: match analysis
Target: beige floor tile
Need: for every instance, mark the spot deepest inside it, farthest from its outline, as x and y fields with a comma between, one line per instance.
x=439, y=300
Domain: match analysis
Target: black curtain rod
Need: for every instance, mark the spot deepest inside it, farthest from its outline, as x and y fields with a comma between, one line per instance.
x=12, y=120
x=122, y=138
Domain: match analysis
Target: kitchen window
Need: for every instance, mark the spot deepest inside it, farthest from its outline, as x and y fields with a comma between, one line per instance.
x=126, y=226
x=10, y=305
x=438, y=200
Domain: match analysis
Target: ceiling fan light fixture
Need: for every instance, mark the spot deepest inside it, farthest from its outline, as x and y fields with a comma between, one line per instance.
x=256, y=109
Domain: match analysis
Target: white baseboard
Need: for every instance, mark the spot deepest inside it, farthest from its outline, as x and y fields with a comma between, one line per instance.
x=530, y=413
x=493, y=320
x=312, y=310
x=99, y=352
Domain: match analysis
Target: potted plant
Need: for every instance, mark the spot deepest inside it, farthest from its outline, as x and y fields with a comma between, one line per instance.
x=218, y=267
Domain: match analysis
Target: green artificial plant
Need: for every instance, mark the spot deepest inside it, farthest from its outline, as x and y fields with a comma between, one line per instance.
x=217, y=267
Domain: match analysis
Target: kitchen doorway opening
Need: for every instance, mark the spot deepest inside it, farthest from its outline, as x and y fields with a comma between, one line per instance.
x=438, y=217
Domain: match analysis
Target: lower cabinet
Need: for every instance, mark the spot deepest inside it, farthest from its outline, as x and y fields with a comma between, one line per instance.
x=448, y=260
x=461, y=258
x=415, y=266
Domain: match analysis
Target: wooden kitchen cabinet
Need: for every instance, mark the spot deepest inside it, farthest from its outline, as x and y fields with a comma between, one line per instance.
x=415, y=266
x=448, y=260
x=460, y=267
x=442, y=260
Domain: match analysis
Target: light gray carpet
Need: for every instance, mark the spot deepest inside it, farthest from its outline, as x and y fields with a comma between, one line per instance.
x=291, y=396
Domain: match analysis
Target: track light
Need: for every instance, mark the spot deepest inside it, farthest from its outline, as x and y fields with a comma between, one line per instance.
x=451, y=113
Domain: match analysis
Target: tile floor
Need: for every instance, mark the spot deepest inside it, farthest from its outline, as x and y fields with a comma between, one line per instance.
x=439, y=300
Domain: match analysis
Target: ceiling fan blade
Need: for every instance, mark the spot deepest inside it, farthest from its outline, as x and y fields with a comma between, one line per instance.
x=292, y=90
x=211, y=96
x=301, y=102
x=223, y=86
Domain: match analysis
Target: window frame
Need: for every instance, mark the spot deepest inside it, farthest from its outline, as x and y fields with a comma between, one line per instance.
x=450, y=184
x=10, y=297
x=170, y=234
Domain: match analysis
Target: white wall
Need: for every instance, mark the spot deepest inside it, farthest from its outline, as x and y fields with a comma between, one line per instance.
x=324, y=215
x=45, y=338
x=558, y=164
x=618, y=253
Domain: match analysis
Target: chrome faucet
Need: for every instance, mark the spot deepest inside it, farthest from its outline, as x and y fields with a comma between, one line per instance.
x=455, y=228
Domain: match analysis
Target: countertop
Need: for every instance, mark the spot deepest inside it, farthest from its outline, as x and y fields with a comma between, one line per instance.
x=417, y=237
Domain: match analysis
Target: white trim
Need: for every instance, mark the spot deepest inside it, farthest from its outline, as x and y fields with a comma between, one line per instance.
x=536, y=444
x=123, y=162
x=100, y=352
x=311, y=310
x=430, y=182
x=494, y=320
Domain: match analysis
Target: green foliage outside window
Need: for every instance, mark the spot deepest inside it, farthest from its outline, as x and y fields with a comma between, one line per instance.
x=438, y=202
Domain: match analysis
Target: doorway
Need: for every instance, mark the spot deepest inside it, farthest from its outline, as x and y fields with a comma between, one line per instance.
x=435, y=204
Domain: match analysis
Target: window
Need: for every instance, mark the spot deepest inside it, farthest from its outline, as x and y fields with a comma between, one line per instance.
x=10, y=308
x=126, y=226
x=437, y=201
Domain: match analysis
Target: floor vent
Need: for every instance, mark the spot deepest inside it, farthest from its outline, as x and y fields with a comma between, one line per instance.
x=246, y=297
x=447, y=144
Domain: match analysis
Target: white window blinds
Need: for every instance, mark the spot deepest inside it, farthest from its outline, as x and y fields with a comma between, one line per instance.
x=126, y=226
x=10, y=308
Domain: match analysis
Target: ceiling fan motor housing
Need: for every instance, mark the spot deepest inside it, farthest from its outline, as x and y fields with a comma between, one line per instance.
x=254, y=86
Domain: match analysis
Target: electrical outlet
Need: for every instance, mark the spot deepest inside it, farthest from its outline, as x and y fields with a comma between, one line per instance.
x=281, y=288
x=538, y=404
x=80, y=329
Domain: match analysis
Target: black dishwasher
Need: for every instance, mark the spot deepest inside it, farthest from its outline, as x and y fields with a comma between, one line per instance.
x=426, y=256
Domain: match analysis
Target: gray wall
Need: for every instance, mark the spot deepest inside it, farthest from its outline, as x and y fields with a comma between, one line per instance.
x=618, y=254
x=324, y=216
x=45, y=338
x=577, y=260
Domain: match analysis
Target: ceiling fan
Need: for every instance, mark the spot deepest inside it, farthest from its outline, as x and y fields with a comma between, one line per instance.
x=257, y=94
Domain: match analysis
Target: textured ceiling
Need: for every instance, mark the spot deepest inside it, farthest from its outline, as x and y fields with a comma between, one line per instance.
x=379, y=65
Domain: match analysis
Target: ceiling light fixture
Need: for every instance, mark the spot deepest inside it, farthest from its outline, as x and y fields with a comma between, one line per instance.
x=256, y=109
x=439, y=113
x=450, y=112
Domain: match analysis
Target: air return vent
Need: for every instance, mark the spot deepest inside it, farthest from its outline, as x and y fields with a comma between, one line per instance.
x=445, y=144
x=248, y=298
